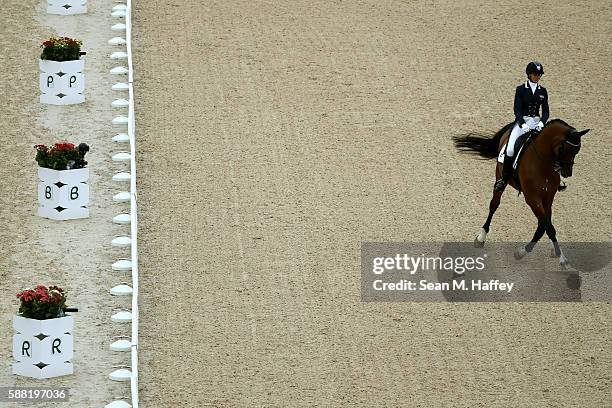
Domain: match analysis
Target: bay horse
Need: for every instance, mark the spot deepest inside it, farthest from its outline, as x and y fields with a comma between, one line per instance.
x=550, y=153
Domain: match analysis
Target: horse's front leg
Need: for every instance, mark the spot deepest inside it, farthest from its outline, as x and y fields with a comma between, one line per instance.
x=557, y=252
x=552, y=235
x=540, y=213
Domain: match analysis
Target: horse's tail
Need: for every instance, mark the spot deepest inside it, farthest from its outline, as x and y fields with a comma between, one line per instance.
x=480, y=143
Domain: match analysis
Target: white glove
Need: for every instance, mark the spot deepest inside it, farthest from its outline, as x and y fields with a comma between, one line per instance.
x=539, y=126
x=525, y=128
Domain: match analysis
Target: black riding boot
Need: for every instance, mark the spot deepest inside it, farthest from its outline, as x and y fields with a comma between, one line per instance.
x=500, y=184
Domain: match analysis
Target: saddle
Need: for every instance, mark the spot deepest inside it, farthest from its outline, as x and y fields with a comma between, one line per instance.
x=522, y=142
x=520, y=146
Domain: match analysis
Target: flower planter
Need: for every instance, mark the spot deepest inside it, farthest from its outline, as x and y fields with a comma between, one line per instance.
x=63, y=194
x=43, y=348
x=62, y=83
x=66, y=7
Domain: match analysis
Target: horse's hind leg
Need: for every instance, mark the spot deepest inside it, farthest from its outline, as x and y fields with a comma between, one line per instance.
x=493, y=205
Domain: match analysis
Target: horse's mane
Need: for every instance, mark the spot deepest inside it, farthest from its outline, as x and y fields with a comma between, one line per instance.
x=560, y=121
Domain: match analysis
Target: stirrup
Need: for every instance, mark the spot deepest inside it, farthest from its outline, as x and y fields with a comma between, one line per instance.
x=500, y=185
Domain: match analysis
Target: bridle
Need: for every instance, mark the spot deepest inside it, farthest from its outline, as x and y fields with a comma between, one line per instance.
x=573, y=149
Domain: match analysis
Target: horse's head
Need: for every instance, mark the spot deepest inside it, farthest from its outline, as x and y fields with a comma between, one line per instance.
x=566, y=151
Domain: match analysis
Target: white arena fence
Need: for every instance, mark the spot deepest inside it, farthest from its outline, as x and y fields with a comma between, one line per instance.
x=124, y=11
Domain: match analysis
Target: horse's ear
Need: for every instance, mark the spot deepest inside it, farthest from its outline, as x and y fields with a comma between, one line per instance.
x=581, y=133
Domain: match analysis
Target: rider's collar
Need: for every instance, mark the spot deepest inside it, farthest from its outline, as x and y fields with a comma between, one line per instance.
x=528, y=83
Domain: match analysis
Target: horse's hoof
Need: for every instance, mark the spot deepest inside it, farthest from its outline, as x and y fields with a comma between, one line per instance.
x=520, y=253
x=480, y=239
x=563, y=262
x=457, y=276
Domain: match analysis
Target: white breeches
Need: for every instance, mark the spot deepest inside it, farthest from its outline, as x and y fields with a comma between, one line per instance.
x=517, y=131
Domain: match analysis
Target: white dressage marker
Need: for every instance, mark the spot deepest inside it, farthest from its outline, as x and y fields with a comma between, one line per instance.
x=43, y=348
x=66, y=7
x=63, y=194
x=119, y=13
x=61, y=82
x=118, y=27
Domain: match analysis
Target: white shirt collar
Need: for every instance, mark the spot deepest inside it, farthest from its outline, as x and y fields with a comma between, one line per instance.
x=532, y=85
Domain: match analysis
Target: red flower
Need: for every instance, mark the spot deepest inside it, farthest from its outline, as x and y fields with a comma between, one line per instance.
x=63, y=146
x=27, y=295
x=41, y=302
